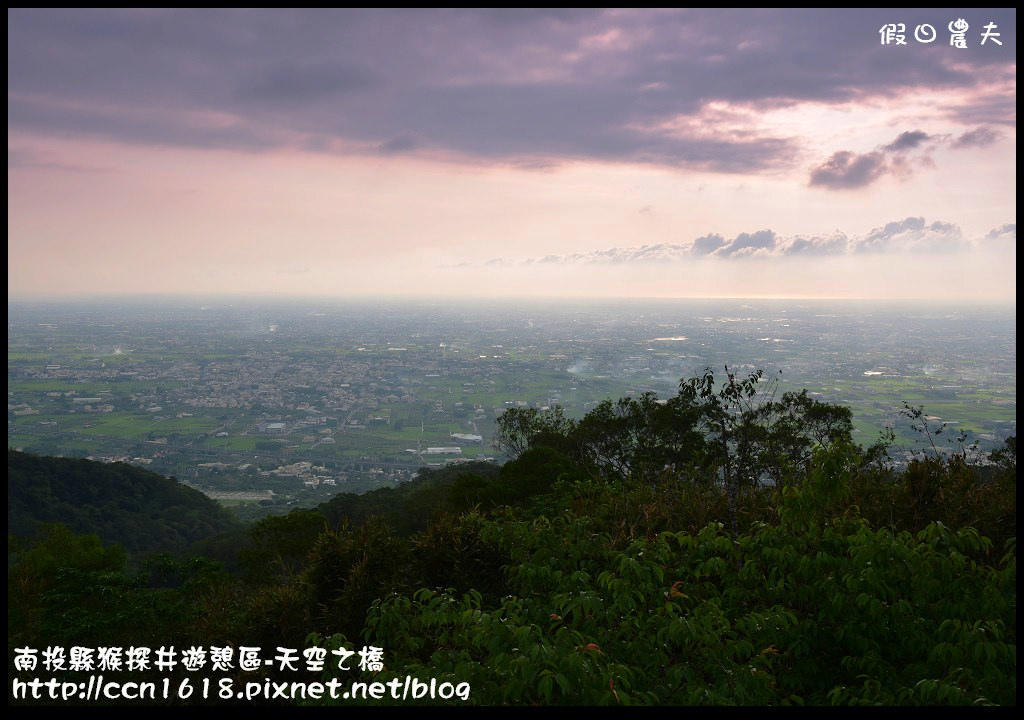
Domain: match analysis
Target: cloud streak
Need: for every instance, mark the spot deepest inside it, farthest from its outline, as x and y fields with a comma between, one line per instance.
x=910, y=235
x=977, y=138
x=847, y=170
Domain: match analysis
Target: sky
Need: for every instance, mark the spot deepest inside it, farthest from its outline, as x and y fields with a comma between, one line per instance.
x=512, y=153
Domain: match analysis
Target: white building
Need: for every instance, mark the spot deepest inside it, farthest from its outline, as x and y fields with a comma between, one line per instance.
x=443, y=451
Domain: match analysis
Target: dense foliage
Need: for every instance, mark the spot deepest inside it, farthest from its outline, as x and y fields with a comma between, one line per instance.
x=121, y=503
x=410, y=506
x=724, y=547
x=817, y=607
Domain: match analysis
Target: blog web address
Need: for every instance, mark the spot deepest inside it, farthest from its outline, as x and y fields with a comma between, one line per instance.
x=97, y=688
x=94, y=674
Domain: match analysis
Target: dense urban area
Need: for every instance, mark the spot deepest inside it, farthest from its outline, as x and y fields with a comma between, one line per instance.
x=269, y=405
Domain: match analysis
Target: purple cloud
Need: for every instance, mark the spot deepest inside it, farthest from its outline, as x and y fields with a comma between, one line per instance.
x=912, y=234
x=707, y=244
x=979, y=137
x=847, y=170
x=760, y=242
x=835, y=244
x=525, y=87
x=908, y=140
x=1003, y=232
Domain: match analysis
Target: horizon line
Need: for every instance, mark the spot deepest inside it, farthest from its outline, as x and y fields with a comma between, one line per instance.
x=413, y=297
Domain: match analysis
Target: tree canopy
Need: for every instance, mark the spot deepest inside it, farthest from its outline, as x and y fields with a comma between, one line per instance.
x=730, y=545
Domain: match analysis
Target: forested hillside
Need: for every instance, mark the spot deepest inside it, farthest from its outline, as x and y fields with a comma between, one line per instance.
x=728, y=546
x=122, y=504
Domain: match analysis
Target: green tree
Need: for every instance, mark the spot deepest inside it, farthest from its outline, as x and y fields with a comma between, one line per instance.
x=278, y=546
x=755, y=438
x=517, y=427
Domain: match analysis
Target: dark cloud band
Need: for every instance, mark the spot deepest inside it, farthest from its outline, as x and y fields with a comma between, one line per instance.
x=523, y=87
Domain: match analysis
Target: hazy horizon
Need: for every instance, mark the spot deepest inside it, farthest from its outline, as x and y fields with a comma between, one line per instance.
x=294, y=298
